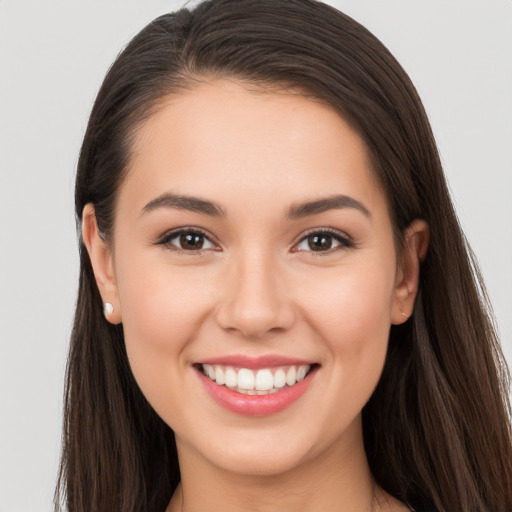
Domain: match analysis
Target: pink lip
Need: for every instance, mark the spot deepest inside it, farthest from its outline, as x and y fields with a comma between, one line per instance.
x=242, y=361
x=255, y=405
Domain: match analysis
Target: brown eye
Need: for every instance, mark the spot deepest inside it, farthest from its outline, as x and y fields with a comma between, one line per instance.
x=319, y=242
x=323, y=241
x=187, y=240
x=192, y=241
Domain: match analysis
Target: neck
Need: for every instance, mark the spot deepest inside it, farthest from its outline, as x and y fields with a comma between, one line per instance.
x=334, y=480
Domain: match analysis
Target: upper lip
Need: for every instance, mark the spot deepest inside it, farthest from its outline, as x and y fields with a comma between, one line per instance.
x=244, y=361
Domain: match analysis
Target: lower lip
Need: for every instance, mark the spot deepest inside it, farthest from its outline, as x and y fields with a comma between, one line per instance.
x=256, y=405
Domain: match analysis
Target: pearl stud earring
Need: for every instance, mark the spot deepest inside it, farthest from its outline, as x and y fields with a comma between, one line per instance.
x=108, y=308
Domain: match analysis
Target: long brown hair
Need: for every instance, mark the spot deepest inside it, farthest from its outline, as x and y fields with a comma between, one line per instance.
x=437, y=428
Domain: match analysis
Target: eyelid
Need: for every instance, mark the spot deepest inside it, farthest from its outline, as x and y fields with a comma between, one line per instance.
x=166, y=237
x=345, y=241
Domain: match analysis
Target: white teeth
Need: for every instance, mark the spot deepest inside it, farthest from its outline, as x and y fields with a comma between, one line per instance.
x=210, y=371
x=301, y=373
x=219, y=375
x=245, y=379
x=231, y=378
x=264, y=380
x=279, y=379
x=252, y=382
x=291, y=376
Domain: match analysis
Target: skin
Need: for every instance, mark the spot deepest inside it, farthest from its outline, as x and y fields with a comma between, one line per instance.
x=257, y=289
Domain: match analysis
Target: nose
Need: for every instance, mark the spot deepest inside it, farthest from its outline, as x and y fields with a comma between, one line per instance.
x=255, y=301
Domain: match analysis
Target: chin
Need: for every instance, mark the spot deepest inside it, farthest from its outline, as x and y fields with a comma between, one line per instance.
x=258, y=462
x=253, y=452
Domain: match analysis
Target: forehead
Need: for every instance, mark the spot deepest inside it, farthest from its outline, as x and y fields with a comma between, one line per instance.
x=222, y=138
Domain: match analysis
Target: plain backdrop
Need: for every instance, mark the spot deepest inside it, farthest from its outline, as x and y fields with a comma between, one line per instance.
x=53, y=56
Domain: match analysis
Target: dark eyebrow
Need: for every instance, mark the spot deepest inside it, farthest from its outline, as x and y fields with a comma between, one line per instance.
x=192, y=204
x=328, y=203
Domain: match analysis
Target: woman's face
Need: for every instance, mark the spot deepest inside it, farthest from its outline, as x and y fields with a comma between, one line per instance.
x=252, y=243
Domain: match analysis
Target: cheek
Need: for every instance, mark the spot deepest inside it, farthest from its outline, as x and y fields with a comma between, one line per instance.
x=352, y=320
x=350, y=304
x=161, y=304
x=162, y=309
x=367, y=306
x=351, y=315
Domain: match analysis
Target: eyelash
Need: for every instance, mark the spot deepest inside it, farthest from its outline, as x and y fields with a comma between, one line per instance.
x=171, y=235
x=344, y=241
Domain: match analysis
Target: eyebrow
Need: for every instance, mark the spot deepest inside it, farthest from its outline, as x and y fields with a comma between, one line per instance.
x=192, y=204
x=325, y=204
x=298, y=211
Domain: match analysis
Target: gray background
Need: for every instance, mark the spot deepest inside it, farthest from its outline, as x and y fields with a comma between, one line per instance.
x=53, y=56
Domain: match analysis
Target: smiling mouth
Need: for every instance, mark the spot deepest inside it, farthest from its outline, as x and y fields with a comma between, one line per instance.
x=262, y=381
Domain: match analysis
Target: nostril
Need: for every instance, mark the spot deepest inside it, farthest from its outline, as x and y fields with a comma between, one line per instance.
x=255, y=320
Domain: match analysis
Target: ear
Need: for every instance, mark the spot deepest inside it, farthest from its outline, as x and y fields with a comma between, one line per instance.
x=102, y=262
x=416, y=238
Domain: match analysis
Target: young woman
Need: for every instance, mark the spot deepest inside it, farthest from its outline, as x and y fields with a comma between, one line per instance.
x=277, y=308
